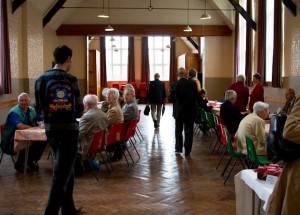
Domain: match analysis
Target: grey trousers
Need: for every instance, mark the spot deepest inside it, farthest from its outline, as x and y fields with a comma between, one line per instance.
x=156, y=112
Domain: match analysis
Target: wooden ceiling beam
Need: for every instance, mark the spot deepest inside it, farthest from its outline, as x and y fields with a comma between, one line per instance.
x=56, y=7
x=16, y=4
x=291, y=6
x=144, y=30
x=241, y=10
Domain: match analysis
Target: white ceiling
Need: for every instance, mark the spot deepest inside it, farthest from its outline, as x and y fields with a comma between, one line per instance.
x=164, y=12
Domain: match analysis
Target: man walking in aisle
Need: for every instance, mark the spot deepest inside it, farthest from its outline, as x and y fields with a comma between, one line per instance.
x=156, y=98
x=183, y=95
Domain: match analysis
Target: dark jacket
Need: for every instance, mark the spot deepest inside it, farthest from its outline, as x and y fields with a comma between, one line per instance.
x=183, y=95
x=157, y=92
x=230, y=116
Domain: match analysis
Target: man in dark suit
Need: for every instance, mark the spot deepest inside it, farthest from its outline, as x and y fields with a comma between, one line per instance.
x=156, y=97
x=183, y=95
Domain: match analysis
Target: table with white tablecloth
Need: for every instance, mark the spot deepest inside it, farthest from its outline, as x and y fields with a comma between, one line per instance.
x=23, y=139
x=251, y=193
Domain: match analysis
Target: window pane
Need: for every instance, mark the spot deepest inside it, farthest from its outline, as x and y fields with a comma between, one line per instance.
x=270, y=39
x=159, y=57
x=116, y=58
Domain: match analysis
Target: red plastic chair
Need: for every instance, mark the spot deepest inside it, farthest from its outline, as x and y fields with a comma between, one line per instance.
x=134, y=86
x=143, y=91
x=115, y=85
x=139, y=134
x=116, y=138
x=98, y=146
x=131, y=131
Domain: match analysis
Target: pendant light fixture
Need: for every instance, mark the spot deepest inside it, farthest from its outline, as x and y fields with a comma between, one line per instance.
x=103, y=13
x=188, y=28
x=205, y=15
x=109, y=27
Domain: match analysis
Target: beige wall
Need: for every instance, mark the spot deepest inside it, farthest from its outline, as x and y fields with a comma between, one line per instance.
x=292, y=44
x=218, y=65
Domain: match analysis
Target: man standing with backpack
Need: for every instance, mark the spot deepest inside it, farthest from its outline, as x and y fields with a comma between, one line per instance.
x=57, y=97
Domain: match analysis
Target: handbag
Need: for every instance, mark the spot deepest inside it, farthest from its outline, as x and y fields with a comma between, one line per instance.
x=279, y=148
x=147, y=110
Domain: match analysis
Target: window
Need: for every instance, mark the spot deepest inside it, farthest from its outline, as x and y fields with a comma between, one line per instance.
x=242, y=40
x=269, y=39
x=116, y=58
x=159, y=57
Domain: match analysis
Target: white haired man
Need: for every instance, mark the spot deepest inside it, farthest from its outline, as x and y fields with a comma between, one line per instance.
x=253, y=125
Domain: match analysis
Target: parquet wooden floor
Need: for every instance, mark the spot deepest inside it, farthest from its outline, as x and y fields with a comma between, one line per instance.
x=158, y=183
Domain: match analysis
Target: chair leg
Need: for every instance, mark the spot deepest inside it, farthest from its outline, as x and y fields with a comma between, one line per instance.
x=224, y=152
x=105, y=163
x=128, y=154
x=222, y=174
x=1, y=156
x=93, y=169
x=235, y=160
x=131, y=142
x=139, y=132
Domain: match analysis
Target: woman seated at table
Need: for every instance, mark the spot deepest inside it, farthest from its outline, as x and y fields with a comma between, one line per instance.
x=229, y=113
x=20, y=117
x=114, y=113
x=202, y=101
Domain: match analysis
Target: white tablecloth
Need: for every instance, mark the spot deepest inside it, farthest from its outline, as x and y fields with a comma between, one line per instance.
x=246, y=185
x=31, y=134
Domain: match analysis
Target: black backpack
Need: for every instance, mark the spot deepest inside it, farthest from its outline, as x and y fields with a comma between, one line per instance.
x=278, y=148
x=60, y=102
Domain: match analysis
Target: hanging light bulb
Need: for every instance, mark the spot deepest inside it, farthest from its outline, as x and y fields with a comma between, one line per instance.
x=103, y=13
x=109, y=27
x=188, y=28
x=205, y=15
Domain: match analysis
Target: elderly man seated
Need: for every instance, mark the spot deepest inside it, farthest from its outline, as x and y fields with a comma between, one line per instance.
x=130, y=111
x=253, y=126
x=22, y=116
x=230, y=114
x=290, y=100
x=92, y=121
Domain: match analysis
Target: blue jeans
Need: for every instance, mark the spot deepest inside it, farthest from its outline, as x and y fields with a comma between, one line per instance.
x=64, y=146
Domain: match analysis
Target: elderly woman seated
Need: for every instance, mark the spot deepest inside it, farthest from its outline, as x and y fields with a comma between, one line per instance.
x=253, y=126
x=229, y=112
